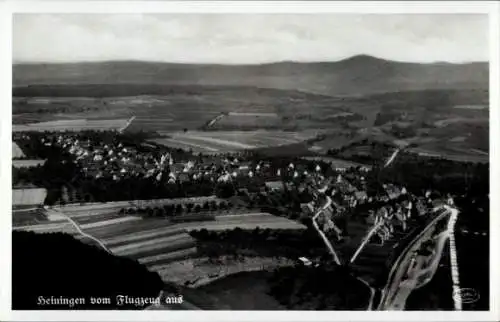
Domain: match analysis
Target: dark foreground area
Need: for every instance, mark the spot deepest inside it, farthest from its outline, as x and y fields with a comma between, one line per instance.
x=243, y=291
x=474, y=266
x=472, y=253
x=289, y=288
x=57, y=272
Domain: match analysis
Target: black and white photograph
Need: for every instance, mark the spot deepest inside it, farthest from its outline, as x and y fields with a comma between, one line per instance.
x=250, y=161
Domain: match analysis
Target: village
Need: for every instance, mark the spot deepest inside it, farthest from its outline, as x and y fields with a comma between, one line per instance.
x=238, y=181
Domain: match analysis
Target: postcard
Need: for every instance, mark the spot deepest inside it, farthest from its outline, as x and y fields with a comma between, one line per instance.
x=253, y=160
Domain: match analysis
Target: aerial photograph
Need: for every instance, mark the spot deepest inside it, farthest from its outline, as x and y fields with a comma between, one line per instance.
x=250, y=161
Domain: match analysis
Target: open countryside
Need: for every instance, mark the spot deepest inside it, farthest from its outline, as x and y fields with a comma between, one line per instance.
x=224, y=141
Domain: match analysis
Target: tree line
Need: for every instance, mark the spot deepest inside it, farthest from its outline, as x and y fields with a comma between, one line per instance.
x=267, y=242
x=172, y=210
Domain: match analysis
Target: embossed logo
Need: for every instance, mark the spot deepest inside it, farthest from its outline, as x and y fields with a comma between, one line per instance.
x=467, y=295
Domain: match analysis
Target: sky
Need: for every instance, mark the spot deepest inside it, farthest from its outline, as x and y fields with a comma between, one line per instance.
x=248, y=38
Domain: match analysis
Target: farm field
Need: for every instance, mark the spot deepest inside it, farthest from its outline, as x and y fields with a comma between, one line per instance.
x=167, y=107
x=16, y=151
x=31, y=196
x=200, y=271
x=241, y=120
x=451, y=154
x=152, y=241
x=222, y=141
x=71, y=125
x=27, y=163
x=24, y=216
x=338, y=163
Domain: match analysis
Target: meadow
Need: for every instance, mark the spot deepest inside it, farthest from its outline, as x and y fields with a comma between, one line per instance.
x=16, y=151
x=225, y=141
x=30, y=196
x=154, y=242
x=71, y=125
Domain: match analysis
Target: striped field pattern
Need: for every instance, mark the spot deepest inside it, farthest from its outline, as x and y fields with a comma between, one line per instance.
x=71, y=125
x=151, y=241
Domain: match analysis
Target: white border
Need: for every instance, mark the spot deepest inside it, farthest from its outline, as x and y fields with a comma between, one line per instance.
x=252, y=6
x=6, y=10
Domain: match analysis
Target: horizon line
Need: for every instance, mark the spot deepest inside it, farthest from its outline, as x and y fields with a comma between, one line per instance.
x=14, y=62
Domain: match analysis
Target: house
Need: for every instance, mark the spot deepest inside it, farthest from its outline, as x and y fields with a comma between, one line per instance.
x=244, y=166
x=274, y=185
x=392, y=191
x=183, y=177
x=361, y=196
x=304, y=261
x=177, y=167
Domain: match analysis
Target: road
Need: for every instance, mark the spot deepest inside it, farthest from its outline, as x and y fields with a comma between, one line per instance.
x=320, y=232
x=457, y=298
x=421, y=275
x=367, y=238
x=334, y=254
x=391, y=299
x=391, y=158
x=127, y=125
x=56, y=214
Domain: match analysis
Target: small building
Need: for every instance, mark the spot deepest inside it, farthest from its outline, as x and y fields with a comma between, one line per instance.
x=361, y=196
x=392, y=191
x=304, y=261
x=274, y=185
x=183, y=177
x=177, y=167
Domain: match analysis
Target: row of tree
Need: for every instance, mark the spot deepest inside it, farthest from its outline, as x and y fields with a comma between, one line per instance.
x=172, y=210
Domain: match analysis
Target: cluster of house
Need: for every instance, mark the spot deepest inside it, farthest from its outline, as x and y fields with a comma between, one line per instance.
x=391, y=217
x=99, y=159
x=344, y=195
x=114, y=160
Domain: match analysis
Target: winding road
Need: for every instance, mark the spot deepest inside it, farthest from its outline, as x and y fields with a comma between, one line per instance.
x=396, y=290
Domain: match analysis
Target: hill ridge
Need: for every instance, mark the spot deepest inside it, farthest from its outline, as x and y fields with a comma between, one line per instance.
x=356, y=75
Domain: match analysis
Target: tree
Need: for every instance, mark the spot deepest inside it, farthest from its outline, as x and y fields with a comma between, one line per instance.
x=203, y=234
x=161, y=212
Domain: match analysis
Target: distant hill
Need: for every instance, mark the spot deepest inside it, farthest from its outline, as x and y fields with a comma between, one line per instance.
x=358, y=75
